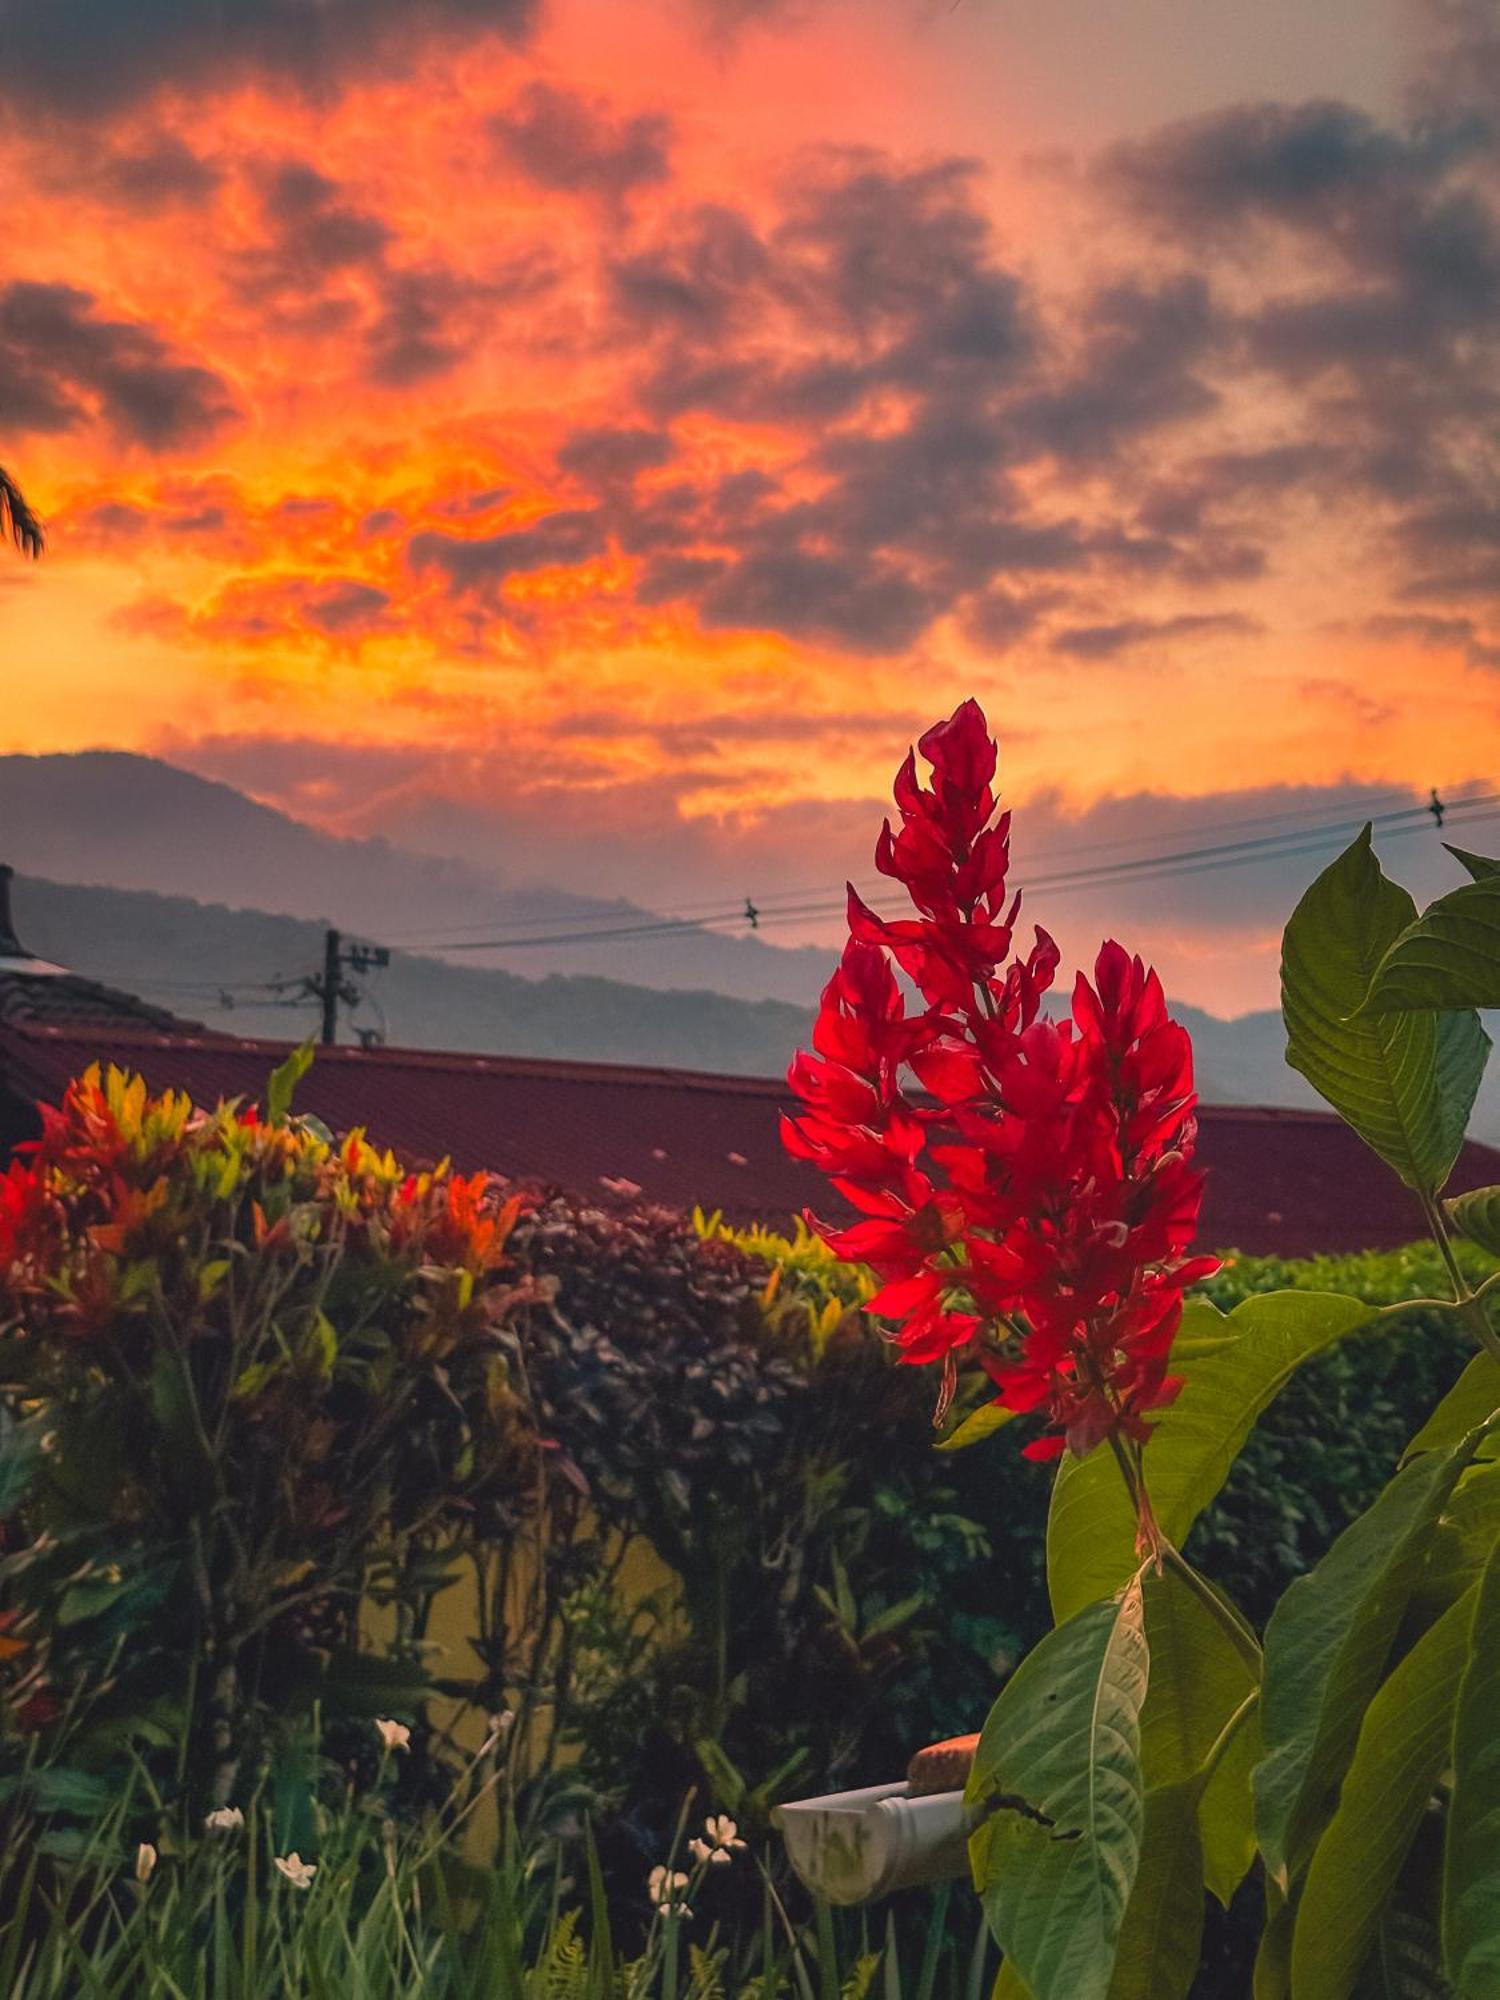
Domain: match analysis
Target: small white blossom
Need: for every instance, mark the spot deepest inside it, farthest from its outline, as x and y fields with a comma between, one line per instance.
x=393, y=1735
x=223, y=1819
x=297, y=1871
x=663, y=1885
x=702, y=1852
x=145, y=1861
x=723, y=1835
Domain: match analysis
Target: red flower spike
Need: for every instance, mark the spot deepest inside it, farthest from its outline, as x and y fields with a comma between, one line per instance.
x=1026, y=1186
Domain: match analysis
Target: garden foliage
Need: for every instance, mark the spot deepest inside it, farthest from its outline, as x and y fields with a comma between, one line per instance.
x=252, y=1378
x=1025, y=1192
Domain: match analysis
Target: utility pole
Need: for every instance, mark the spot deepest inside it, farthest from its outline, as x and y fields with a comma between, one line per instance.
x=331, y=989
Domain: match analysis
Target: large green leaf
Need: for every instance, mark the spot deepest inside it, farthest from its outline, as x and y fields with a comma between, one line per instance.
x=1198, y=1680
x=1404, y=1082
x=1400, y=1755
x=1461, y=1542
x=1477, y=1215
x=1473, y=1397
x=1471, y=1858
x=1479, y=866
x=1326, y=1649
x=1244, y=1361
x=1058, y=1773
x=1157, y=1953
x=1448, y=958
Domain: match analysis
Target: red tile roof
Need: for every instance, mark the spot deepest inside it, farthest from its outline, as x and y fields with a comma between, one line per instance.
x=1282, y=1182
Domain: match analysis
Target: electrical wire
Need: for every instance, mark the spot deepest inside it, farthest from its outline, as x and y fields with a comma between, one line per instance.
x=776, y=898
x=1156, y=867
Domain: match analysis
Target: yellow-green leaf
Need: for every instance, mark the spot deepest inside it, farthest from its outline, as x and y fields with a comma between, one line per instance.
x=1471, y=1857
x=1245, y=1361
x=1400, y=1754
x=977, y=1426
x=1058, y=1771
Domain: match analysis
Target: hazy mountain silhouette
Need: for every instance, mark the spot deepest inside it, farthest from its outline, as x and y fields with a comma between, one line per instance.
x=250, y=886
x=130, y=822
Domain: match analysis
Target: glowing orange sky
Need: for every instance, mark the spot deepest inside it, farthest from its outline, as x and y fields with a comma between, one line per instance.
x=272, y=357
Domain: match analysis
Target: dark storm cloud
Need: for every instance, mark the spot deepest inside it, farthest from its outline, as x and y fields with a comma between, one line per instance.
x=1480, y=649
x=314, y=236
x=1138, y=370
x=162, y=172
x=569, y=536
x=1104, y=642
x=577, y=145
x=87, y=58
x=609, y=454
x=1312, y=165
x=62, y=364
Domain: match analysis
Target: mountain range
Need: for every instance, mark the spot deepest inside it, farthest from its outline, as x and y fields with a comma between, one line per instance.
x=198, y=898
x=130, y=822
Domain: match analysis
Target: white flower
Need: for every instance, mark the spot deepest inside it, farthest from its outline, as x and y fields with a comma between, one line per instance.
x=297, y=1871
x=723, y=1835
x=702, y=1852
x=663, y=1885
x=393, y=1735
x=145, y=1861
x=223, y=1819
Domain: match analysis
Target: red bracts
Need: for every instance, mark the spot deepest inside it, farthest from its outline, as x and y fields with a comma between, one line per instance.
x=1024, y=1184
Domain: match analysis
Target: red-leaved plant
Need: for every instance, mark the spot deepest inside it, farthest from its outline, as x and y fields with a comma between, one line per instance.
x=1025, y=1185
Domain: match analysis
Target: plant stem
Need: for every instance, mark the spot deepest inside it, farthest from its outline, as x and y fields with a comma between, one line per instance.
x=1470, y=1303
x=1238, y=1632
x=1226, y=1736
x=1167, y=1554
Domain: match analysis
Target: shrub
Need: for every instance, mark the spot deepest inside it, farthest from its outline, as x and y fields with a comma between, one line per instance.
x=250, y=1378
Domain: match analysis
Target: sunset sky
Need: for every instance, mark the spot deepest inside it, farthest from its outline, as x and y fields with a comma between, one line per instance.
x=595, y=435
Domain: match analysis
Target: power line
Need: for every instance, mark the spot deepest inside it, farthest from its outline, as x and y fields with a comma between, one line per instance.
x=1156, y=867
x=713, y=909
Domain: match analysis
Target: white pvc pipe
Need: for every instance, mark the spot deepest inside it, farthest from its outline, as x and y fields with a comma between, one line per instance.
x=852, y=1846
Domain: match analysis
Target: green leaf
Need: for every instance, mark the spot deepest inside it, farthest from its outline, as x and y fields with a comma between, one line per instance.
x=1400, y=1755
x=977, y=1426
x=1198, y=1680
x=1407, y=1965
x=1272, y=1977
x=1404, y=1082
x=1326, y=1649
x=1477, y=1215
x=373, y=1684
x=1162, y=1933
x=1009, y=1985
x=1479, y=866
x=282, y=1087
x=1091, y=1526
x=1461, y=1543
x=1448, y=959
x=20, y=1456
x=1473, y=1397
x=1471, y=1857
x=1058, y=1768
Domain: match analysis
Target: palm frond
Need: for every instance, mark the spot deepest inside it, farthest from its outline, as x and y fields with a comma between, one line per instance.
x=17, y=518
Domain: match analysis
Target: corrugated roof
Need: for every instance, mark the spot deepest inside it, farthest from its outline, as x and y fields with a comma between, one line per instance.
x=1280, y=1182
x=35, y=994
